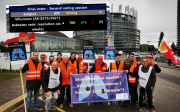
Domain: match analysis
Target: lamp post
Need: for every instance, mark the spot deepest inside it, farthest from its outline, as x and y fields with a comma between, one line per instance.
x=148, y=44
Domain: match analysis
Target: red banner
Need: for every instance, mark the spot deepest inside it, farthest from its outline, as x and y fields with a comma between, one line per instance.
x=166, y=50
x=23, y=37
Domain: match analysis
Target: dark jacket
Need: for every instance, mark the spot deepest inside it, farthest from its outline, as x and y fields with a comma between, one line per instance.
x=92, y=70
x=32, y=84
x=45, y=81
x=72, y=61
x=157, y=69
x=152, y=78
x=133, y=74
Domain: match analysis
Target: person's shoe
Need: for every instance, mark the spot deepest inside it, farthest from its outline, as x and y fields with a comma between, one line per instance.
x=52, y=108
x=133, y=106
x=123, y=104
x=140, y=109
x=70, y=105
x=38, y=108
x=94, y=102
x=61, y=106
x=100, y=102
x=152, y=110
x=46, y=110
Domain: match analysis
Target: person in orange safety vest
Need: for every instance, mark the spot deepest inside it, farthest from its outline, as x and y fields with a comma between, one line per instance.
x=118, y=65
x=131, y=76
x=73, y=60
x=83, y=67
x=33, y=70
x=67, y=68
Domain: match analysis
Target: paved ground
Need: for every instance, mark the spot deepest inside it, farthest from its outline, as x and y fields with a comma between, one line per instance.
x=167, y=97
x=11, y=89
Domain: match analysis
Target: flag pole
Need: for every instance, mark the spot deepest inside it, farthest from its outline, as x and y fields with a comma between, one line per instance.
x=22, y=88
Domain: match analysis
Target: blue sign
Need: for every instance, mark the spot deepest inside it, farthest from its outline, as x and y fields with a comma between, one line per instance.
x=17, y=53
x=110, y=53
x=5, y=55
x=88, y=52
x=99, y=87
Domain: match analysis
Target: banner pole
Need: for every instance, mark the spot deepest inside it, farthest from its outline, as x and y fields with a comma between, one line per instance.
x=2, y=64
x=22, y=88
x=109, y=72
x=88, y=74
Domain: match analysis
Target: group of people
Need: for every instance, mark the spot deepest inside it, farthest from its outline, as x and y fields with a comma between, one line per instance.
x=54, y=76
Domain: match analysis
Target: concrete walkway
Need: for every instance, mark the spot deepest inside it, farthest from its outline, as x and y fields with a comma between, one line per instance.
x=11, y=89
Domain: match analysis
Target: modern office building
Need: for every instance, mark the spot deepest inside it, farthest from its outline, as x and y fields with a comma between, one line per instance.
x=178, y=27
x=124, y=26
x=56, y=42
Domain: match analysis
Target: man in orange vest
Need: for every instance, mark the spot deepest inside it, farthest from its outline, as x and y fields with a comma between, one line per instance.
x=133, y=61
x=83, y=67
x=73, y=60
x=131, y=76
x=99, y=66
x=59, y=58
x=67, y=68
x=118, y=66
x=33, y=70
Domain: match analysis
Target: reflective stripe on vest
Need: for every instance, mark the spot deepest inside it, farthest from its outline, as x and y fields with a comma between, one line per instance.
x=33, y=73
x=81, y=67
x=132, y=79
x=98, y=68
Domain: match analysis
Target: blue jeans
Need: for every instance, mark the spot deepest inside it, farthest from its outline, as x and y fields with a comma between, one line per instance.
x=36, y=98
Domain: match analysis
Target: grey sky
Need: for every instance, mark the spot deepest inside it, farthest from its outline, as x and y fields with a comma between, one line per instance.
x=154, y=16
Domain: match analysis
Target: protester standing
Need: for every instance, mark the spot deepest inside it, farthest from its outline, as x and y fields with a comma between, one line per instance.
x=146, y=81
x=83, y=67
x=131, y=77
x=33, y=71
x=59, y=58
x=73, y=60
x=67, y=68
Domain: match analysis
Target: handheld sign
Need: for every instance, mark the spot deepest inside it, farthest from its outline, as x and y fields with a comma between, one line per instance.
x=17, y=53
x=88, y=53
x=110, y=53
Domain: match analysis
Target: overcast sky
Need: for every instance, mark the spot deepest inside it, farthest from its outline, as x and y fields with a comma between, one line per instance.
x=154, y=16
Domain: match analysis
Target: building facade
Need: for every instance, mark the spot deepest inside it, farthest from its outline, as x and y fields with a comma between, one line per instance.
x=58, y=43
x=178, y=27
x=124, y=26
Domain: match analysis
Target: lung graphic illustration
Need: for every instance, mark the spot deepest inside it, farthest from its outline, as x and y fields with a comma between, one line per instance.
x=86, y=89
x=18, y=54
x=103, y=93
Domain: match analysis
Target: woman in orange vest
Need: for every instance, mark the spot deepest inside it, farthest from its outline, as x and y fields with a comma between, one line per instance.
x=118, y=65
x=67, y=68
x=131, y=76
x=83, y=67
x=73, y=60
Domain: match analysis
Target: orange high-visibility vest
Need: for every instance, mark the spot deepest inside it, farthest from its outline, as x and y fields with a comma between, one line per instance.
x=98, y=68
x=114, y=67
x=57, y=62
x=33, y=73
x=81, y=67
x=132, y=79
x=134, y=63
x=75, y=64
